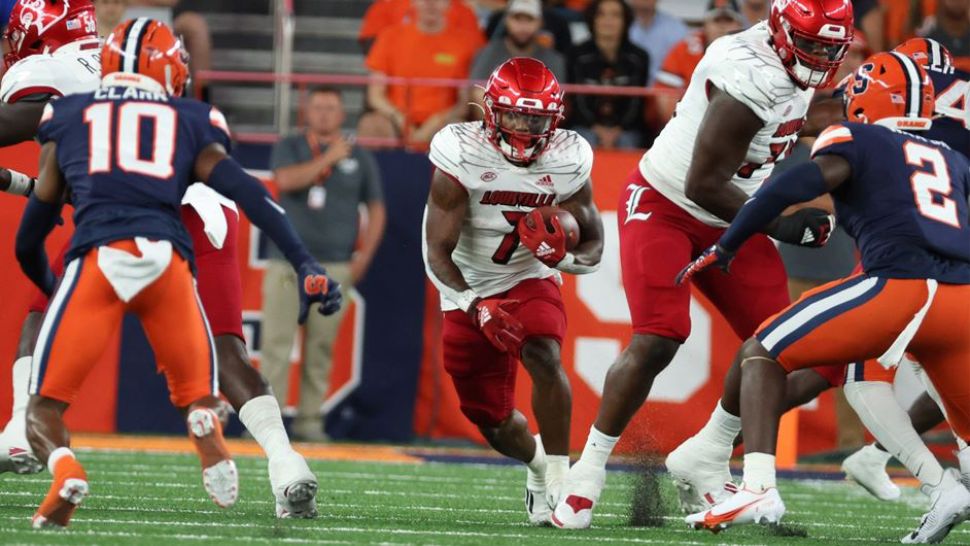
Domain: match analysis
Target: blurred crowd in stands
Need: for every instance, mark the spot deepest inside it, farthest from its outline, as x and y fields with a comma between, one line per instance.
x=600, y=42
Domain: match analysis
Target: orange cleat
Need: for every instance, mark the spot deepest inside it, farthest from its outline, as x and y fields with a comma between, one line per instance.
x=219, y=475
x=68, y=489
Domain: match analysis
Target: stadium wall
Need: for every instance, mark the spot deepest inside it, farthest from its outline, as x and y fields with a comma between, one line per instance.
x=388, y=382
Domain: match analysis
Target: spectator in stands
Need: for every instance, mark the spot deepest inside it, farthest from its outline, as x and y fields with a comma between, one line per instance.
x=424, y=48
x=323, y=179
x=722, y=17
x=555, y=28
x=655, y=32
x=187, y=24
x=903, y=17
x=387, y=13
x=609, y=58
x=109, y=13
x=754, y=11
x=523, y=19
x=951, y=27
x=870, y=18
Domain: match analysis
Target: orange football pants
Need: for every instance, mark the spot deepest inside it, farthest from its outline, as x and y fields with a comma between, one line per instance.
x=85, y=313
x=858, y=318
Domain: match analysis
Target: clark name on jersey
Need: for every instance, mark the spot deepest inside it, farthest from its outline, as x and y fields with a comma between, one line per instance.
x=499, y=194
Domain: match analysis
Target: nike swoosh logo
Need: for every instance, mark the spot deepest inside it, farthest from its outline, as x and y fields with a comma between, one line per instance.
x=710, y=520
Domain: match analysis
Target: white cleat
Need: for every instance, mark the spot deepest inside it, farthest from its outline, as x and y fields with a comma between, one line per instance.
x=744, y=507
x=219, y=475
x=949, y=508
x=536, y=507
x=867, y=467
x=580, y=493
x=294, y=486
x=18, y=460
x=701, y=473
x=221, y=482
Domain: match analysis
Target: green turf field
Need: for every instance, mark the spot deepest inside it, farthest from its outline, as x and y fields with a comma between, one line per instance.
x=142, y=499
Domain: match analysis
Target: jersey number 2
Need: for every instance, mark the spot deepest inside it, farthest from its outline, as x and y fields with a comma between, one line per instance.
x=125, y=140
x=931, y=183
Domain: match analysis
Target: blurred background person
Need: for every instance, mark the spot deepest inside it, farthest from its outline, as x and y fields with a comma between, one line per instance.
x=951, y=27
x=655, y=32
x=423, y=48
x=387, y=13
x=722, y=17
x=523, y=21
x=555, y=31
x=323, y=180
x=608, y=58
x=754, y=11
x=109, y=13
x=191, y=28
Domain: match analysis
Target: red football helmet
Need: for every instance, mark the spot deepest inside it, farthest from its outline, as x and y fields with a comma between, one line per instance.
x=148, y=47
x=927, y=52
x=523, y=106
x=42, y=26
x=891, y=90
x=811, y=37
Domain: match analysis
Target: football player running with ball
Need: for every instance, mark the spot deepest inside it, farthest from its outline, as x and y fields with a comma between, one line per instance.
x=496, y=260
x=742, y=112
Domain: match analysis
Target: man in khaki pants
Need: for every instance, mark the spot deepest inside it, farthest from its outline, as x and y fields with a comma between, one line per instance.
x=323, y=179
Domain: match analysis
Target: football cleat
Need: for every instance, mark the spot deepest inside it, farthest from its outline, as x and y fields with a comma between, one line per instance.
x=949, y=508
x=701, y=473
x=18, y=460
x=580, y=493
x=743, y=507
x=57, y=512
x=867, y=467
x=219, y=475
x=536, y=507
x=294, y=486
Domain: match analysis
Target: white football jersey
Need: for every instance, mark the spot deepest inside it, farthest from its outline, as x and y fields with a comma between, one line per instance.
x=499, y=194
x=746, y=67
x=72, y=68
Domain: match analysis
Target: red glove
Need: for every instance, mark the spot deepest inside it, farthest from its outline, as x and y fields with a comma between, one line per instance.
x=499, y=326
x=548, y=248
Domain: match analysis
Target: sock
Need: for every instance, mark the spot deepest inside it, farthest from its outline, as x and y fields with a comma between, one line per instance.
x=759, y=471
x=883, y=455
x=261, y=417
x=964, y=457
x=721, y=429
x=598, y=448
x=875, y=404
x=21, y=383
x=556, y=467
x=536, y=478
x=56, y=456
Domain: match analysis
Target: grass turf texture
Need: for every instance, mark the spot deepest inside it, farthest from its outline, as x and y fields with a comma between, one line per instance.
x=143, y=499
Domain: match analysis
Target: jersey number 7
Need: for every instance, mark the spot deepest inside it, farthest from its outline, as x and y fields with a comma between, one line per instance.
x=511, y=240
x=125, y=139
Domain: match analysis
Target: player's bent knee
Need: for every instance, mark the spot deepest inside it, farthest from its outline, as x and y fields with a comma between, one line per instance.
x=651, y=352
x=540, y=355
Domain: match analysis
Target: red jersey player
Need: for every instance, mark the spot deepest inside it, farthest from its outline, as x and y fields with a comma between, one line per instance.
x=742, y=112
x=497, y=267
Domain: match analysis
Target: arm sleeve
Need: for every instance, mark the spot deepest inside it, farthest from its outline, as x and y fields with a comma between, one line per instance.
x=38, y=220
x=797, y=185
x=372, y=190
x=377, y=60
x=230, y=180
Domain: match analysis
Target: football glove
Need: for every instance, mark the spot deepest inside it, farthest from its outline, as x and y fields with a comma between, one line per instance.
x=493, y=317
x=317, y=287
x=714, y=256
x=548, y=248
x=809, y=227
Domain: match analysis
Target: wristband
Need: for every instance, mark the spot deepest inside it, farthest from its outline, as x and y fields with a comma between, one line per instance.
x=465, y=299
x=568, y=265
x=20, y=183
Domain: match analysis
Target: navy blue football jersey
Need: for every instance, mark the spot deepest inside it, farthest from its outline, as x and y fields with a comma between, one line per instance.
x=952, y=122
x=128, y=156
x=906, y=203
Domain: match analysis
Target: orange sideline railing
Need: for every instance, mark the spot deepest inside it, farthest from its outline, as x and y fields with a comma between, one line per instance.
x=303, y=81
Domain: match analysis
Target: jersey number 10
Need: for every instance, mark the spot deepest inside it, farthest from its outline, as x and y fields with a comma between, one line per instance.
x=125, y=140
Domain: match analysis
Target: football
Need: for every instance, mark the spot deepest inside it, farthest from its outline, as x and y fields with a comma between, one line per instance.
x=566, y=220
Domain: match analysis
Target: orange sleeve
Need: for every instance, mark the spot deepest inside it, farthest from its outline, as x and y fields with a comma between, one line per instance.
x=376, y=19
x=674, y=71
x=379, y=57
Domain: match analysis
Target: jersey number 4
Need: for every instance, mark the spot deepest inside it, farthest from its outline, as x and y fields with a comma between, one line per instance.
x=931, y=183
x=125, y=140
